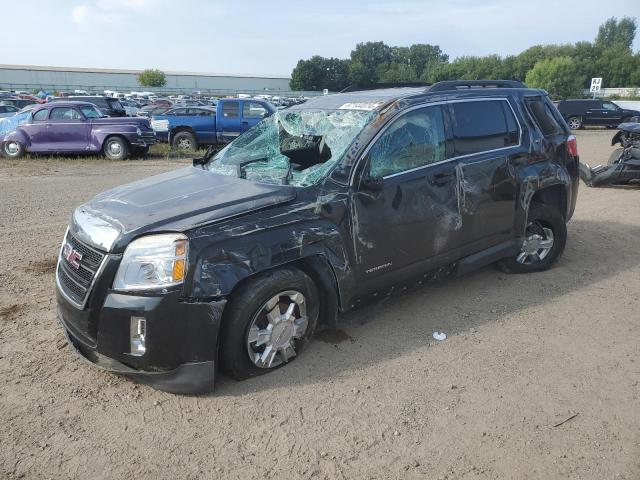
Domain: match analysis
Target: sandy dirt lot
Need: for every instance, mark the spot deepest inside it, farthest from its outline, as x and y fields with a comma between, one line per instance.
x=522, y=354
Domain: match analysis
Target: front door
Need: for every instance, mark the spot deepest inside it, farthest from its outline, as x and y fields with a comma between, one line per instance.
x=67, y=130
x=405, y=209
x=229, y=123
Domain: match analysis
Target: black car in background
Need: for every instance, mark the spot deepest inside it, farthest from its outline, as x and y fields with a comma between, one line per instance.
x=111, y=107
x=578, y=113
x=315, y=210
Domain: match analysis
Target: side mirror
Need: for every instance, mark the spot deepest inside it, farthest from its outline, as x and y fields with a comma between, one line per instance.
x=374, y=184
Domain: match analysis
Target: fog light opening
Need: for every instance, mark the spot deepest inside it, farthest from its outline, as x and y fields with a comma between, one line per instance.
x=138, y=333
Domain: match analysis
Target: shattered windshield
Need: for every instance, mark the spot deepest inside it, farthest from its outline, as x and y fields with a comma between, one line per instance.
x=294, y=147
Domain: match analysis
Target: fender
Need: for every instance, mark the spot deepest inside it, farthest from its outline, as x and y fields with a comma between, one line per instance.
x=231, y=252
x=18, y=135
x=100, y=133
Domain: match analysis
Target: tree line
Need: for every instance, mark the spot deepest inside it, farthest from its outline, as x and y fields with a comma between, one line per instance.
x=562, y=70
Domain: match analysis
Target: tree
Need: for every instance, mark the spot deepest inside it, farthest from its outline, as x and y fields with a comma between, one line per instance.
x=319, y=73
x=559, y=76
x=367, y=61
x=616, y=33
x=152, y=78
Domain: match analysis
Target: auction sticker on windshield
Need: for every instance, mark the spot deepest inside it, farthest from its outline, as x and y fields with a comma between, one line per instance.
x=368, y=106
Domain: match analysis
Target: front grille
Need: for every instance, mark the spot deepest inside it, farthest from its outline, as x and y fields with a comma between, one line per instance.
x=149, y=137
x=76, y=282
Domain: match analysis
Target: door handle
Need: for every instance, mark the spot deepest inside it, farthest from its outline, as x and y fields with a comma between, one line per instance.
x=440, y=179
x=245, y=123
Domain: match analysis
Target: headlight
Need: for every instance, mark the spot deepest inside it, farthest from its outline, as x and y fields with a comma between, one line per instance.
x=139, y=132
x=151, y=262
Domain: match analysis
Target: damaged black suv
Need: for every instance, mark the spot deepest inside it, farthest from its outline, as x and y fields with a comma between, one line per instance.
x=317, y=209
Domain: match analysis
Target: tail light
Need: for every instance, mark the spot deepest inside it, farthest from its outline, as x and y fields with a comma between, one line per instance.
x=572, y=146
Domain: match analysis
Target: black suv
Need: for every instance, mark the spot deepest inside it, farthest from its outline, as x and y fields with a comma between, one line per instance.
x=314, y=211
x=111, y=107
x=578, y=113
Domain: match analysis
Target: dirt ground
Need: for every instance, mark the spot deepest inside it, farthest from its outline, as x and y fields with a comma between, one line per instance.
x=522, y=355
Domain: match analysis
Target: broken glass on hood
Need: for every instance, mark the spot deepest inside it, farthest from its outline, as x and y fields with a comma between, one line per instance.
x=9, y=124
x=295, y=147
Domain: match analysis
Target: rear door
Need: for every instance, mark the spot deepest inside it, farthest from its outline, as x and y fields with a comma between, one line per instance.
x=204, y=123
x=486, y=145
x=229, y=120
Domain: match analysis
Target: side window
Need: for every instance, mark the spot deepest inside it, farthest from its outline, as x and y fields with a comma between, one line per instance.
x=3, y=109
x=178, y=111
x=64, y=114
x=413, y=140
x=609, y=106
x=40, y=115
x=482, y=126
x=230, y=110
x=253, y=110
x=543, y=116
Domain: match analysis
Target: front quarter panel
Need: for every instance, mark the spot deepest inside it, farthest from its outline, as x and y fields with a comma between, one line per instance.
x=100, y=132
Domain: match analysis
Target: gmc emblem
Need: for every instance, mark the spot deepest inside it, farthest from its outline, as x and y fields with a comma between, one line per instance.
x=71, y=255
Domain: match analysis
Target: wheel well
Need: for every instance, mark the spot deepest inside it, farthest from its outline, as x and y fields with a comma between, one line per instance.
x=122, y=137
x=554, y=196
x=176, y=130
x=322, y=274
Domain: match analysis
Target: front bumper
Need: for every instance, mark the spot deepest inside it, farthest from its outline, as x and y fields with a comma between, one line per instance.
x=181, y=338
x=147, y=139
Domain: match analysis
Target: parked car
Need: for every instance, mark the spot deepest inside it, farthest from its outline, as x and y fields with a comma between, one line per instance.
x=150, y=110
x=189, y=127
x=110, y=107
x=130, y=107
x=314, y=211
x=8, y=110
x=78, y=127
x=579, y=113
x=16, y=102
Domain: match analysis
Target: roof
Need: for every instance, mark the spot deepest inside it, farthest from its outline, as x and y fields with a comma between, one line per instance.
x=66, y=103
x=370, y=97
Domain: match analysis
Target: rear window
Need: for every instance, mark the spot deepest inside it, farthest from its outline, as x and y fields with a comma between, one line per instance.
x=114, y=104
x=480, y=126
x=543, y=116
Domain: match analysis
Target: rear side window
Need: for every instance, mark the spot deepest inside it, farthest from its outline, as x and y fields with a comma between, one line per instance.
x=482, y=126
x=40, y=115
x=230, y=110
x=543, y=116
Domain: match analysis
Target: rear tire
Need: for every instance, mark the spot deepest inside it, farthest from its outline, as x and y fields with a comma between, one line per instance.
x=575, y=123
x=184, y=141
x=544, y=242
x=248, y=331
x=13, y=149
x=115, y=148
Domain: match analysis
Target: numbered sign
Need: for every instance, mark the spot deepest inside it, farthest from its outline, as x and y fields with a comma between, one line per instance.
x=596, y=84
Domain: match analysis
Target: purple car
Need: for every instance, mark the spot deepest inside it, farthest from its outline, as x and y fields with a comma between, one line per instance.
x=77, y=127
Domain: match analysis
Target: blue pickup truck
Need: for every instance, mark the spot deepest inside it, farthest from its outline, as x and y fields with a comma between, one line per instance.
x=189, y=127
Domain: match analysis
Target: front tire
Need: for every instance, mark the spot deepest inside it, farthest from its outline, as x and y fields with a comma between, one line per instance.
x=13, y=149
x=268, y=322
x=184, y=141
x=544, y=241
x=575, y=123
x=115, y=148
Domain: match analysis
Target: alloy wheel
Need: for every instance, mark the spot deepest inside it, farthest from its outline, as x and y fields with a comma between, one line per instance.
x=275, y=329
x=537, y=244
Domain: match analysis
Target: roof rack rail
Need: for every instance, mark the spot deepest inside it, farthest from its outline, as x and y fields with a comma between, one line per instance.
x=379, y=86
x=468, y=84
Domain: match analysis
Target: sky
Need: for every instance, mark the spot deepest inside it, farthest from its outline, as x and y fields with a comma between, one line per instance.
x=269, y=36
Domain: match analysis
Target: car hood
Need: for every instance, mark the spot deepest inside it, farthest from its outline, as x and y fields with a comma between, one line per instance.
x=174, y=201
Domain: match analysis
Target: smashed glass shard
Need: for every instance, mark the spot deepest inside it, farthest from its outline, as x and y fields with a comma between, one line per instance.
x=295, y=147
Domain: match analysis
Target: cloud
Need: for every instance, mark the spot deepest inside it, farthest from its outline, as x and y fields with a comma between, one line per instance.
x=109, y=12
